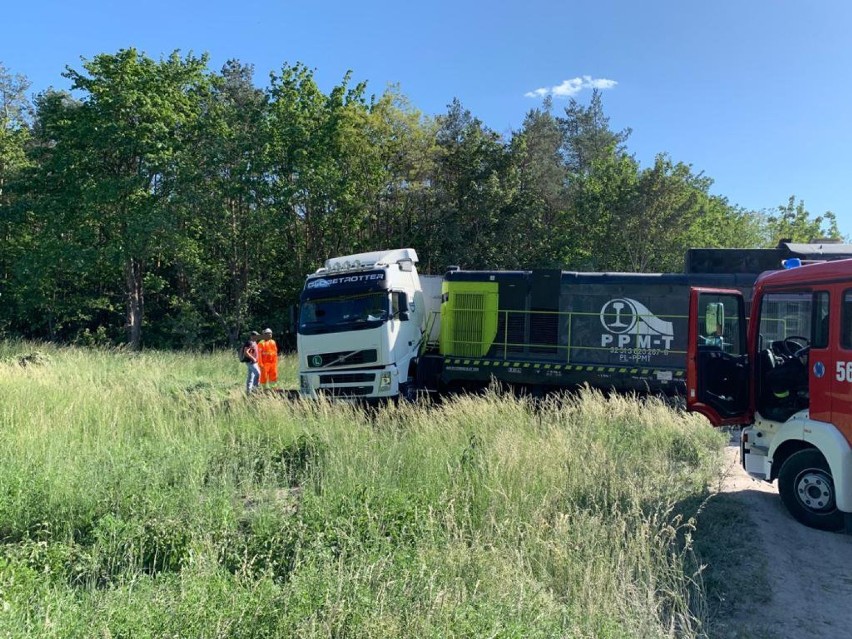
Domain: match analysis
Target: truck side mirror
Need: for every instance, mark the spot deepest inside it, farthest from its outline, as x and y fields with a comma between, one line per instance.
x=714, y=317
x=403, y=314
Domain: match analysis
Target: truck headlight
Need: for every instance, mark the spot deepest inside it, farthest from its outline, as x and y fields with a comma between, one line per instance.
x=304, y=384
x=385, y=381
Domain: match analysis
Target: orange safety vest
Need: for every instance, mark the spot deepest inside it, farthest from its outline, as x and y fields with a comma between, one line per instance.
x=268, y=350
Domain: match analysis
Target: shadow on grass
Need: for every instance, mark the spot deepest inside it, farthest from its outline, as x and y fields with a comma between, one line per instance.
x=727, y=545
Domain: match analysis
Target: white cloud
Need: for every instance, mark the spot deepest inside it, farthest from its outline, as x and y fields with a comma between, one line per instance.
x=572, y=87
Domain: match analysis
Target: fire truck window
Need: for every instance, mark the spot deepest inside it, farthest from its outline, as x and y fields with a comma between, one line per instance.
x=846, y=321
x=820, y=320
x=785, y=315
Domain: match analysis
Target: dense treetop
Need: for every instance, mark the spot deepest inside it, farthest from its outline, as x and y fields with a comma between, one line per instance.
x=164, y=204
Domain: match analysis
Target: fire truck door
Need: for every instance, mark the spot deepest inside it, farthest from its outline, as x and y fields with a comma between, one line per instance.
x=839, y=371
x=717, y=376
x=822, y=355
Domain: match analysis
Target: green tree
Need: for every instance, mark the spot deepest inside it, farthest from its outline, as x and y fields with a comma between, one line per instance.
x=587, y=137
x=473, y=184
x=722, y=225
x=642, y=220
x=602, y=181
x=60, y=285
x=15, y=118
x=602, y=199
x=541, y=204
x=15, y=121
x=668, y=201
x=623, y=217
x=193, y=204
x=124, y=137
x=221, y=207
x=793, y=222
x=402, y=152
x=315, y=184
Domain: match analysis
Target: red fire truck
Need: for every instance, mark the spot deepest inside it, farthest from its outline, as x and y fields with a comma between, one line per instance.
x=786, y=376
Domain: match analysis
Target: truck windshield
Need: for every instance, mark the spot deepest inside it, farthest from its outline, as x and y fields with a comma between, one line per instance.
x=337, y=314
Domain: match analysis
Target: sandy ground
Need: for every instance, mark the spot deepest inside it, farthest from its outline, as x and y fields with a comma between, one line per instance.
x=810, y=571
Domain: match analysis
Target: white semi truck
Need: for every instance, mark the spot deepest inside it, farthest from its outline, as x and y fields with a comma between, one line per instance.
x=786, y=377
x=363, y=321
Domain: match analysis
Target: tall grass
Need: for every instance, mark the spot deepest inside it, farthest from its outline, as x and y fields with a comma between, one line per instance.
x=141, y=495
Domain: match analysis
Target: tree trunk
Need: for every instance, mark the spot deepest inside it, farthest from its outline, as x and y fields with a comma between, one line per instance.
x=232, y=331
x=135, y=302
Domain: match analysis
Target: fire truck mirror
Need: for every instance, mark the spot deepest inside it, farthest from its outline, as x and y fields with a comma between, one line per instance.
x=714, y=319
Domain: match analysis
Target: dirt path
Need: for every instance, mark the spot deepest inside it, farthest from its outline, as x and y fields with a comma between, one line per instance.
x=809, y=571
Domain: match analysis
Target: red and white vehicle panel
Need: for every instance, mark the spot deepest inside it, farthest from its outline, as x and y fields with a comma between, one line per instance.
x=786, y=375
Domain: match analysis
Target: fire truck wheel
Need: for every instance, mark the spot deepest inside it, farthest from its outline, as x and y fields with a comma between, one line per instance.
x=807, y=490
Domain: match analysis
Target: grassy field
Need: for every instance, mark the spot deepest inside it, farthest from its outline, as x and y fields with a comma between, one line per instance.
x=142, y=495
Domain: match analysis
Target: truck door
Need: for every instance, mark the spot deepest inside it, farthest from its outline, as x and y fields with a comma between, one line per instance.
x=841, y=371
x=717, y=370
x=823, y=353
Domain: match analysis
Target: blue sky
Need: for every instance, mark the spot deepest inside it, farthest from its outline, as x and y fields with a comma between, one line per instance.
x=756, y=94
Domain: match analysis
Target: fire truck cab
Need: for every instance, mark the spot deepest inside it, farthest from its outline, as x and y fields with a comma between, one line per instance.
x=786, y=376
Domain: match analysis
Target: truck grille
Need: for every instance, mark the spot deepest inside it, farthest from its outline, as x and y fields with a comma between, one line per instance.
x=347, y=391
x=319, y=360
x=347, y=378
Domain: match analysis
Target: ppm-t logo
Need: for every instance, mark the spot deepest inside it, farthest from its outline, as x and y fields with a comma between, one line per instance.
x=629, y=324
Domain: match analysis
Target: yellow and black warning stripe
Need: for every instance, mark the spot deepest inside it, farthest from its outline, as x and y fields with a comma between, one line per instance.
x=575, y=368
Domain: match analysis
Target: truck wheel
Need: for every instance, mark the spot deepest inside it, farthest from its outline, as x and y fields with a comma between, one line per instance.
x=807, y=490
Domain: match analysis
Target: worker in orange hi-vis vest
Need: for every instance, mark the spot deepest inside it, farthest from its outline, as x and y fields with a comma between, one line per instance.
x=268, y=351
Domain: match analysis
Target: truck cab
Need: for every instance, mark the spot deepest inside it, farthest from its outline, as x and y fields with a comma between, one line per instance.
x=361, y=322
x=785, y=375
